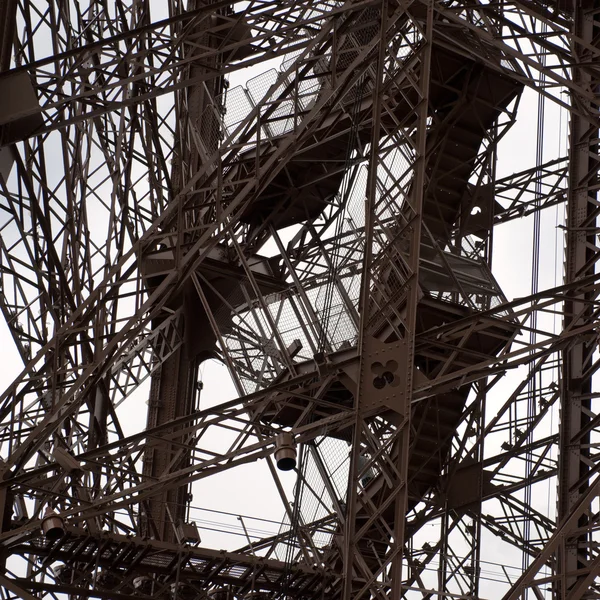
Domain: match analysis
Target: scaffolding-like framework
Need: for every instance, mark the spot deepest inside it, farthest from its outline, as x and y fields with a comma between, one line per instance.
x=306, y=191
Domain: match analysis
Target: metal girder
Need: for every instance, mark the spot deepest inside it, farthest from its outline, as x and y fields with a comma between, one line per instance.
x=195, y=565
x=377, y=322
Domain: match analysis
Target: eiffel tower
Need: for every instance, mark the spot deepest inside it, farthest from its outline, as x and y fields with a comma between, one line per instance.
x=327, y=200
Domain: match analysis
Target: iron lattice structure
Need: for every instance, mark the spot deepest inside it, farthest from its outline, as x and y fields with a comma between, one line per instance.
x=325, y=230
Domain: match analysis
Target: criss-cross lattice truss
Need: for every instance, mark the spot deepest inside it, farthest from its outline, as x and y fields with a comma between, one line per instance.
x=308, y=192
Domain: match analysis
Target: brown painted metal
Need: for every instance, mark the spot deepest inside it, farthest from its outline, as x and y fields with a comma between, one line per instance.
x=137, y=234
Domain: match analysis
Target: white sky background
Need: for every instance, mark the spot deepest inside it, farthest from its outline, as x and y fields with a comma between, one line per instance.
x=250, y=490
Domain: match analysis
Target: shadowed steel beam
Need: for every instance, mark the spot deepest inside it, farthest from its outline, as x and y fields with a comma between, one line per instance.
x=8, y=13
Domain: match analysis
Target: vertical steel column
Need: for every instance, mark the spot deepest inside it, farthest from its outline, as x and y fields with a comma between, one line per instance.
x=367, y=562
x=581, y=256
x=173, y=390
x=350, y=544
x=412, y=300
x=8, y=13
